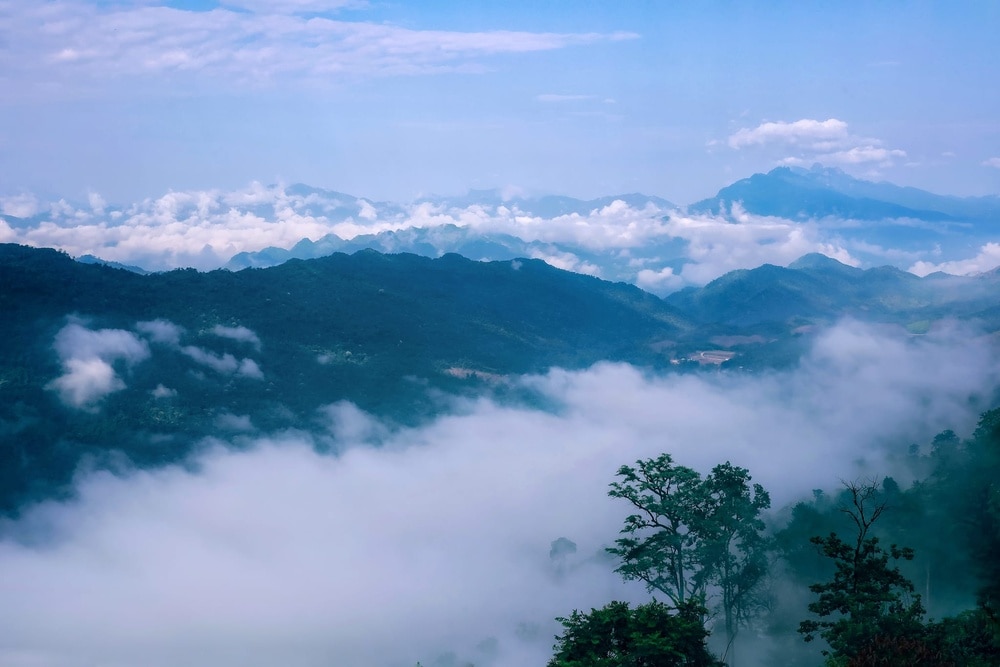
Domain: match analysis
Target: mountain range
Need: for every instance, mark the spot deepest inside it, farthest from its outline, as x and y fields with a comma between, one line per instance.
x=102, y=365
x=875, y=222
x=647, y=241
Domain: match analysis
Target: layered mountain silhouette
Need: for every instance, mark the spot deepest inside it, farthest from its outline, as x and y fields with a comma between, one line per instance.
x=869, y=217
x=108, y=367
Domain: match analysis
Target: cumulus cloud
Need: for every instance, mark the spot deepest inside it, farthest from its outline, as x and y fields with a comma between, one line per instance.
x=22, y=205
x=224, y=364
x=250, y=369
x=438, y=540
x=815, y=134
x=161, y=331
x=87, y=358
x=663, y=280
x=717, y=246
x=86, y=381
x=161, y=391
x=239, y=333
x=987, y=259
x=616, y=241
x=992, y=162
x=828, y=141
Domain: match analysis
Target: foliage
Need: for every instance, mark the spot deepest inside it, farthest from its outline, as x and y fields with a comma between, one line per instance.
x=691, y=533
x=867, y=597
x=651, y=635
x=896, y=651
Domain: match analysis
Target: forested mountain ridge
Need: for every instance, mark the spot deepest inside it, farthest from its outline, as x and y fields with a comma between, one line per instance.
x=98, y=359
x=377, y=330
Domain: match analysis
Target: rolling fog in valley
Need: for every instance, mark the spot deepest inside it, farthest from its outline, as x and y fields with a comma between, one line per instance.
x=433, y=543
x=356, y=333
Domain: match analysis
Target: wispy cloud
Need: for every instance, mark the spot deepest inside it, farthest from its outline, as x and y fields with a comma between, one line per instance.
x=828, y=141
x=992, y=162
x=293, y=6
x=79, y=45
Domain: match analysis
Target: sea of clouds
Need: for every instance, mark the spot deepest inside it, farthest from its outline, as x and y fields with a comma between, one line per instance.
x=658, y=249
x=433, y=543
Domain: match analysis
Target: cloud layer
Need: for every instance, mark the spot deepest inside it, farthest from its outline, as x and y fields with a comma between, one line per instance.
x=437, y=540
x=634, y=239
x=617, y=241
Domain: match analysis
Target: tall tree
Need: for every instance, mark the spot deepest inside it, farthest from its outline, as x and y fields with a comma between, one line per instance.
x=867, y=598
x=691, y=536
x=664, y=539
x=737, y=547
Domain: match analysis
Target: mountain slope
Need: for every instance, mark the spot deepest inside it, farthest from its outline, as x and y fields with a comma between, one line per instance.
x=265, y=348
x=797, y=194
x=105, y=367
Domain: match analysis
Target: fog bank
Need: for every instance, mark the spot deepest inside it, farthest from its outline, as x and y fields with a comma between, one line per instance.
x=437, y=540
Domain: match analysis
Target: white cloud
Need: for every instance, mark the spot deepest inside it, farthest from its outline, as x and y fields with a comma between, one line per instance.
x=23, y=205
x=97, y=203
x=204, y=229
x=663, y=280
x=439, y=538
x=77, y=44
x=161, y=331
x=717, y=246
x=987, y=259
x=239, y=333
x=992, y=162
x=826, y=141
x=86, y=381
x=163, y=392
x=292, y=6
x=249, y=368
x=224, y=364
x=816, y=134
x=87, y=357
x=566, y=261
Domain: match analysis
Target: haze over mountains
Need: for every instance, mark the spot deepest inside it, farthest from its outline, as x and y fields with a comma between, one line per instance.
x=239, y=433
x=363, y=436
x=648, y=241
x=95, y=352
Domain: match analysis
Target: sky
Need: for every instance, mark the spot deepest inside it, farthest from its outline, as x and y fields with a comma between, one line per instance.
x=392, y=100
x=433, y=541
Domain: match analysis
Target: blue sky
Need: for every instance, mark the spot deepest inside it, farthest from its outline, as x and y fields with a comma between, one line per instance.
x=391, y=100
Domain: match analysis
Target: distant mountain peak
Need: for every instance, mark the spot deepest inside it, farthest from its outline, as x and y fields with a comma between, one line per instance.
x=816, y=260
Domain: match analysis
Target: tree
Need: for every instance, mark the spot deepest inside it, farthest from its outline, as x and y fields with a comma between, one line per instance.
x=665, y=539
x=867, y=598
x=736, y=548
x=651, y=635
x=691, y=534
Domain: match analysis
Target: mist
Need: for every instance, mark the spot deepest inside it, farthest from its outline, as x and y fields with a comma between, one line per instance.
x=432, y=543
